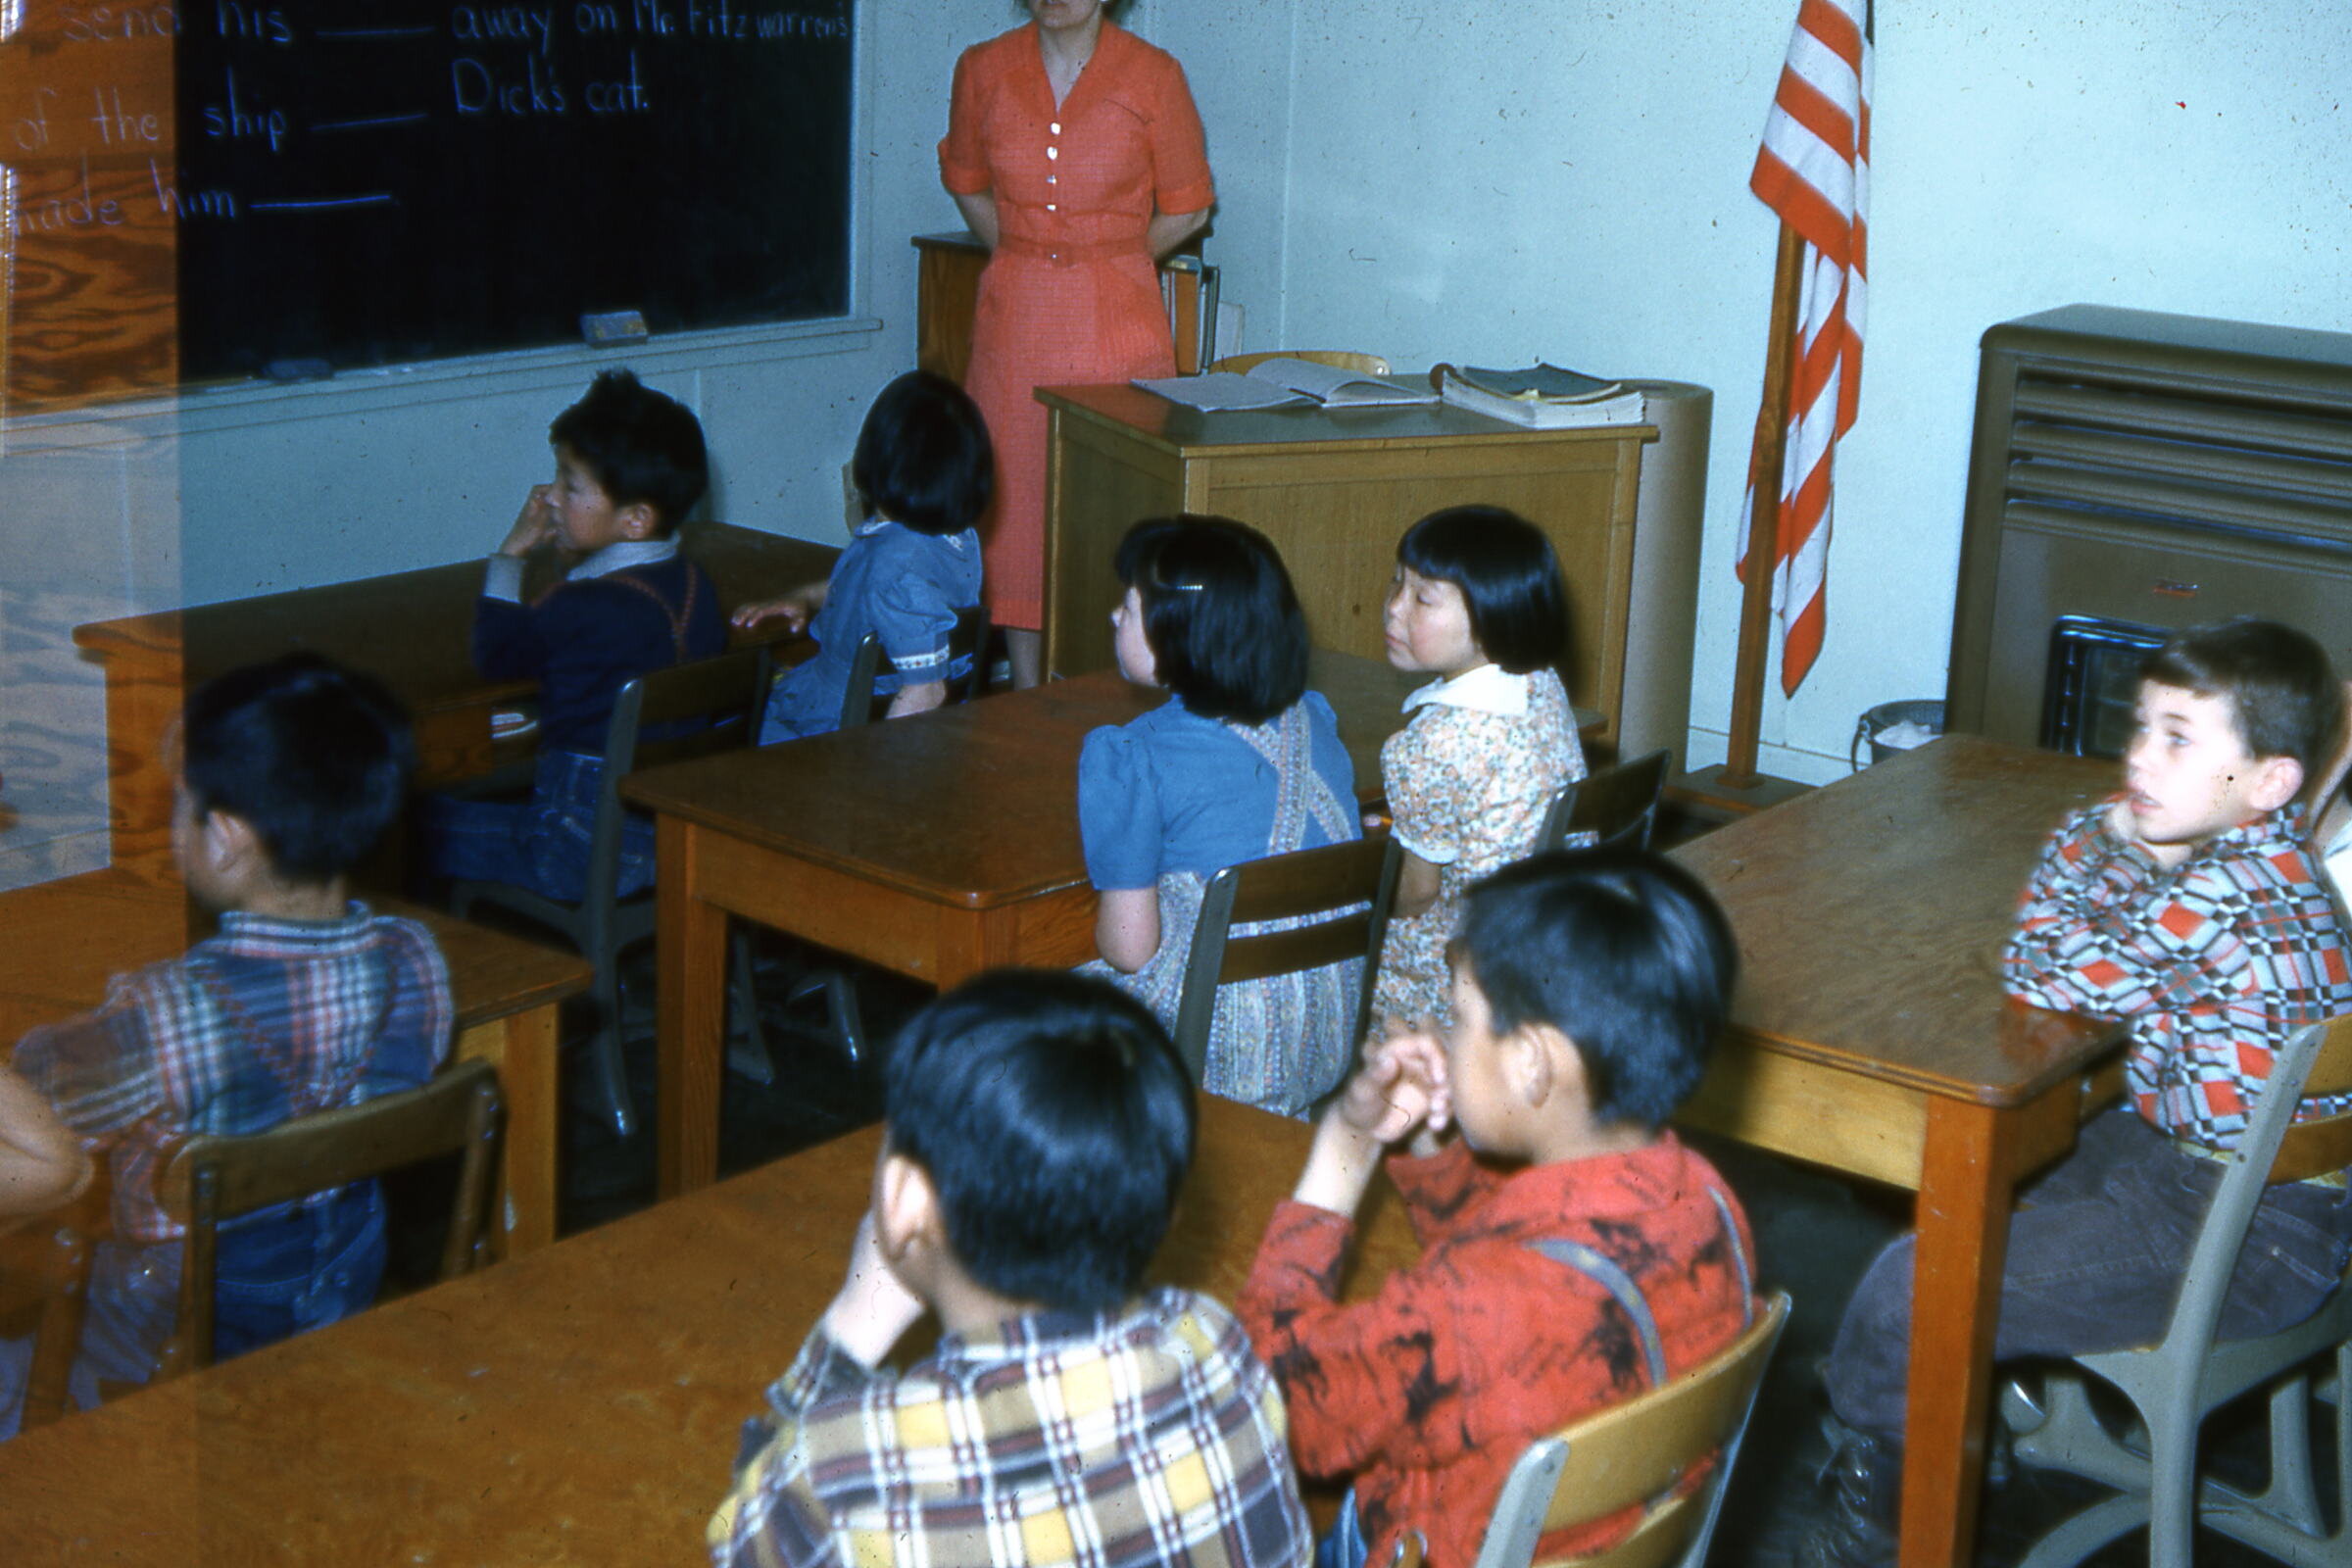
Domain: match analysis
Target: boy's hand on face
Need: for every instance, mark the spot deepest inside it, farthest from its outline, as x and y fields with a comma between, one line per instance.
x=2125, y=826
x=534, y=524
x=1399, y=1092
x=874, y=1309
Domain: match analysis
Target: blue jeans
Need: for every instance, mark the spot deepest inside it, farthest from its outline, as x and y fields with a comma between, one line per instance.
x=2096, y=1251
x=1344, y=1546
x=542, y=843
x=274, y=1276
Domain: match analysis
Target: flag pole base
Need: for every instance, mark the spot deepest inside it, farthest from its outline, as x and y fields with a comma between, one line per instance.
x=1716, y=795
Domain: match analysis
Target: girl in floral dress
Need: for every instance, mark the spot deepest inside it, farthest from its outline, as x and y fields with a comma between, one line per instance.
x=1478, y=603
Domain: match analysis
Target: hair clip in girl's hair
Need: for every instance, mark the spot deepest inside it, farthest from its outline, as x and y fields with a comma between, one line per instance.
x=1185, y=587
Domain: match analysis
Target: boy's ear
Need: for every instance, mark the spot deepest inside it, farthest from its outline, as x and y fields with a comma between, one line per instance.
x=906, y=1206
x=638, y=519
x=227, y=839
x=1537, y=1060
x=2277, y=781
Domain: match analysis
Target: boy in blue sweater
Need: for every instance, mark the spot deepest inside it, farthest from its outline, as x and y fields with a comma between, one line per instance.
x=629, y=465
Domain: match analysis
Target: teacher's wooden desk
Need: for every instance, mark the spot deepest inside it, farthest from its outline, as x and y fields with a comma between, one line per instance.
x=1334, y=489
x=61, y=941
x=936, y=846
x=414, y=630
x=578, y=1405
x=1870, y=1035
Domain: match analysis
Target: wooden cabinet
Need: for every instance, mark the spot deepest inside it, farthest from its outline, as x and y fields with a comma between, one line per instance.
x=1334, y=489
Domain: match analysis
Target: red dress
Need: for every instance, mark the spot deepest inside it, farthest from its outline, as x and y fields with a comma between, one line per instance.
x=1071, y=294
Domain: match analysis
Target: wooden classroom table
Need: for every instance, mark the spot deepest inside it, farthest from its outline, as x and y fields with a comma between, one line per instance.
x=1870, y=1034
x=60, y=942
x=410, y=629
x=936, y=846
x=578, y=1405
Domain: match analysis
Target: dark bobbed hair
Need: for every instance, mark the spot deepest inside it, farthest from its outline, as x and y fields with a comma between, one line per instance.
x=641, y=444
x=315, y=758
x=1623, y=952
x=1219, y=614
x=923, y=457
x=1508, y=575
x=2282, y=688
x=1056, y=1123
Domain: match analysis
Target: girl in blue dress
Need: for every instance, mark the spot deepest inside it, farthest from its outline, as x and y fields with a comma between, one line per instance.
x=1242, y=761
x=925, y=472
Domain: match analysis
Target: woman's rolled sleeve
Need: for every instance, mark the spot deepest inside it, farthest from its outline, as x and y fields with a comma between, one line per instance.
x=963, y=151
x=1180, y=177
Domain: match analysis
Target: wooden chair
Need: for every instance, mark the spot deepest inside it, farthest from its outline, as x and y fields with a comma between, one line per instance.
x=45, y=1276
x=2182, y=1378
x=1345, y=890
x=722, y=697
x=1633, y=1452
x=221, y=1178
x=1336, y=358
x=966, y=643
x=1618, y=805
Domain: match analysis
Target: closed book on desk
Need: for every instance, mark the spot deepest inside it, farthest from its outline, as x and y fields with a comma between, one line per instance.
x=1277, y=382
x=1540, y=397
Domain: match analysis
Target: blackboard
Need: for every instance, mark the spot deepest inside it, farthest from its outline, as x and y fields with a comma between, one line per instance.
x=366, y=183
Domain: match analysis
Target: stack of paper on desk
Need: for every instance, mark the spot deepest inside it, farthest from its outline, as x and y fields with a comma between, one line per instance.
x=1541, y=397
x=1279, y=382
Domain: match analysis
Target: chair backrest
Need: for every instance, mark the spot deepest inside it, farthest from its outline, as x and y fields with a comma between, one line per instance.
x=1618, y=805
x=1638, y=1451
x=1336, y=358
x=1352, y=885
x=965, y=646
x=670, y=716
x=220, y=1178
x=2273, y=1148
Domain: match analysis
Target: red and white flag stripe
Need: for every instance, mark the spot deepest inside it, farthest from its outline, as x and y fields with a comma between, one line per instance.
x=1814, y=171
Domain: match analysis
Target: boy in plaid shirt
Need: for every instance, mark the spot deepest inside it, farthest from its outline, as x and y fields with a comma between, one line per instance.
x=302, y=1002
x=1038, y=1127
x=2192, y=907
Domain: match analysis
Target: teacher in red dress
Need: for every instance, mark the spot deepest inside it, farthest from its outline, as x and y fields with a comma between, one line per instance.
x=1075, y=152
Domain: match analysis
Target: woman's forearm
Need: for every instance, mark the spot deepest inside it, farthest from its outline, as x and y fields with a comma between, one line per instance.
x=1171, y=230
x=980, y=216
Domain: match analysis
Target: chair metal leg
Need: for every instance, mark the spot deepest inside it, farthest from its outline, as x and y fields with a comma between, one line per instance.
x=746, y=1037
x=840, y=1000
x=603, y=1050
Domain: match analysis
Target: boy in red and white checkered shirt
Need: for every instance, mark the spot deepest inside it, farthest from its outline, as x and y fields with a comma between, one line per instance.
x=2189, y=904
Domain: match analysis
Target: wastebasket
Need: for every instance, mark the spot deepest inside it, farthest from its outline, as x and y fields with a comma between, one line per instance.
x=1893, y=727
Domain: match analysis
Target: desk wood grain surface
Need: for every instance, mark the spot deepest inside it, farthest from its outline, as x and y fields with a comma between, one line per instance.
x=578, y=1405
x=975, y=804
x=1871, y=915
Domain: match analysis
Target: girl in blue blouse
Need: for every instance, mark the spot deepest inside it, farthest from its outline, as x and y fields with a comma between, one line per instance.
x=925, y=472
x=1241, y=762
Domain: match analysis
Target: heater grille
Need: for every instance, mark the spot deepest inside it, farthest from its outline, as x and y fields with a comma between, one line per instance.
x=2155, y=470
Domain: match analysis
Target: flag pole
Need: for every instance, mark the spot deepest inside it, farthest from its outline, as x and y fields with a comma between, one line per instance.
x=1766, y=454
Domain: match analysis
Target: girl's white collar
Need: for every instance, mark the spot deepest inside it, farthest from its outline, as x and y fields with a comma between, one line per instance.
x=1488, y=689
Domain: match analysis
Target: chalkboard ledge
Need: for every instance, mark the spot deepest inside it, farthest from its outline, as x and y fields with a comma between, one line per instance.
x=548, y=371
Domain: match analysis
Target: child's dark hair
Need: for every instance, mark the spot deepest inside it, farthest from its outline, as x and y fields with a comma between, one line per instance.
x=1056, y=1123
x=1508, y=575
x=1219, y=614
x=2283, y=690
x=642, y=446
x=1623, y=952
x=315, y=758
x=923, y=457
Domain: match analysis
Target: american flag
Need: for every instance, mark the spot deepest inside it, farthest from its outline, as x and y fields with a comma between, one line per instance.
x=1814, y=171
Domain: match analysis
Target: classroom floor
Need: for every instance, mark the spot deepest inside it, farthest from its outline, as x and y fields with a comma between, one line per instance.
x=1815, y=1234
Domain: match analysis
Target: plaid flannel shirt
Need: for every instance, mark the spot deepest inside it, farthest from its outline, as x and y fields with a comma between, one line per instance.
x=2215, y=963
x=1107, y=1441
x=267, y=1021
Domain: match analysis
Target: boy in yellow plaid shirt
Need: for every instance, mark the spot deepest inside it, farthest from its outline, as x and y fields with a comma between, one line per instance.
x=1038, y=1128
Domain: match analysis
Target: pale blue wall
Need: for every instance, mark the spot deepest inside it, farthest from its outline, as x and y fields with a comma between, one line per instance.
x=1484, y=180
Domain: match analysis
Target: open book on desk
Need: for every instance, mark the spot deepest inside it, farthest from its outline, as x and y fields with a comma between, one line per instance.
x=1541, y=397
x=1281, y=382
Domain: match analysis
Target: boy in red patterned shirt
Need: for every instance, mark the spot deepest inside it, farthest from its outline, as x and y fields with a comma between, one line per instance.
x=1587, y=991
x=2190, y=905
